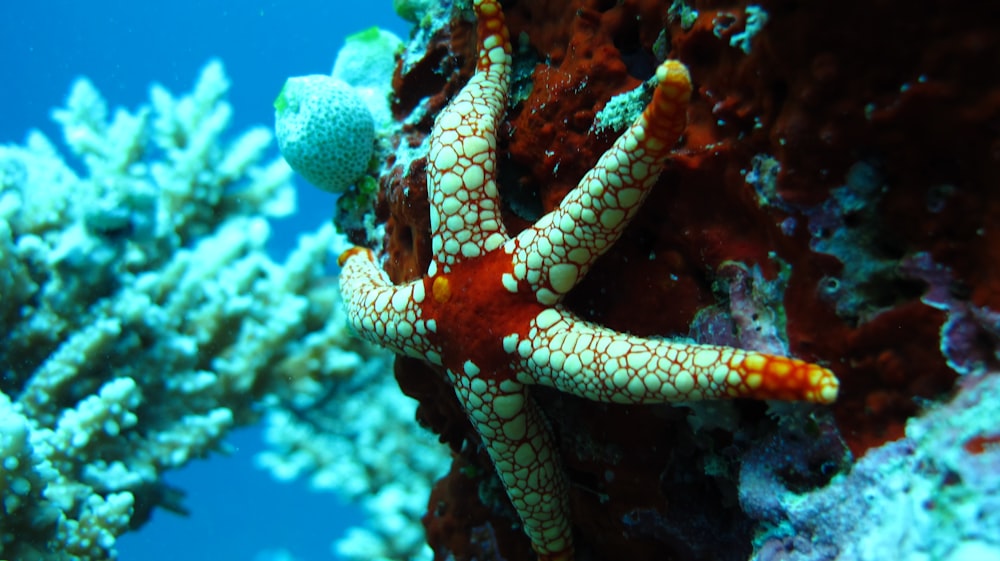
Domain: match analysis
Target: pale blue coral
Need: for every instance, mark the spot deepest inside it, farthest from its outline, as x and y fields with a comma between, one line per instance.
x=325, y=131
x=934, y=494
x=376, y=455
x=142, y=316
x=366, y=62
x=756, y=18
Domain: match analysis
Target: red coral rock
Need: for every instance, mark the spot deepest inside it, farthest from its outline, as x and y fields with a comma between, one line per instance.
x=909, y=86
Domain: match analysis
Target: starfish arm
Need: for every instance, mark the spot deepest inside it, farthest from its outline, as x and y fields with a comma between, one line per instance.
x=521, y=447
x=465, y=208
x=383, y=313
x=575, y=356
x=560, y=248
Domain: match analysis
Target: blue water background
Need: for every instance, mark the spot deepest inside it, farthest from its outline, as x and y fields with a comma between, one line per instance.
x=124, y=46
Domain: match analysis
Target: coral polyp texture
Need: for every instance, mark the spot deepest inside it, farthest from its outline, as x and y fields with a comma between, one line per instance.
x=325, y=131
x=829, y=198
x=141, y=315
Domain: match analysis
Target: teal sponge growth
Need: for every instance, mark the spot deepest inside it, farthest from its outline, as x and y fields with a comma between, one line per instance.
x=325, y=131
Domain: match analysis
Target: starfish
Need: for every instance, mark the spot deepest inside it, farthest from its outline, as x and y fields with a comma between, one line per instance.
x=488, y=310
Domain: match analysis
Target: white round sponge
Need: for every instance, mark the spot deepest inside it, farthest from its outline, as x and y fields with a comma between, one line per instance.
x=325, y=131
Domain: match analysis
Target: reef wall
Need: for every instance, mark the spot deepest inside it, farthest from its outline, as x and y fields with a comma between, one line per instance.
x=834, y=196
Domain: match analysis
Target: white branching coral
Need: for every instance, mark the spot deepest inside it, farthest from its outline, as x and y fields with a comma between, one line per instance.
x=367, y=449
x=141, y=316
